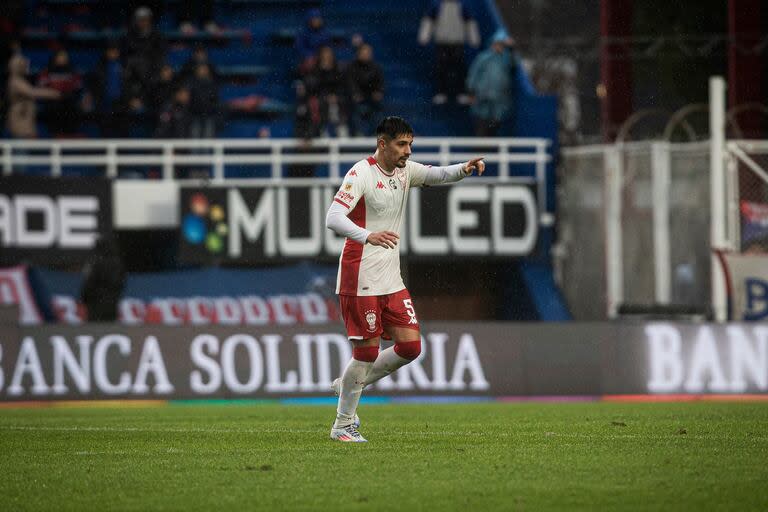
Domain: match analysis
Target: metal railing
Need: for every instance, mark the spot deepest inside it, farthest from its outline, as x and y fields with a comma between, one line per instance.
x=276, y=153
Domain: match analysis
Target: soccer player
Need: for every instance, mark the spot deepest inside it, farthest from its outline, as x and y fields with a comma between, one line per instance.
x=368, y=210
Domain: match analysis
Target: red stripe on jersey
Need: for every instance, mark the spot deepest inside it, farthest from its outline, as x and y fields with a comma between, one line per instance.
x=342, y=203
x=352, y=254
x=371, y=160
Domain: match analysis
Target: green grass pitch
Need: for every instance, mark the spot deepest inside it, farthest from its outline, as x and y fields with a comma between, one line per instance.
x=490, y=456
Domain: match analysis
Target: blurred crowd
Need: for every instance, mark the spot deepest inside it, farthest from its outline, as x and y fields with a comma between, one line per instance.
x=133, y=92
x=333, y=98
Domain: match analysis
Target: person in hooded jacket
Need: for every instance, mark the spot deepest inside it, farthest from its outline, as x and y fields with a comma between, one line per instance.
x=491, y=82
x=103, y=282
x=311, y=37
x=107, y=93
x=204, y=102
x=365, y=85
x=449, y=24
x=325, y=82
x=64, y=113
x=21, y=120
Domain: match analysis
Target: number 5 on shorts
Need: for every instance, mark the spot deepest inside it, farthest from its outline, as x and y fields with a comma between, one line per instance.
x=411, y=312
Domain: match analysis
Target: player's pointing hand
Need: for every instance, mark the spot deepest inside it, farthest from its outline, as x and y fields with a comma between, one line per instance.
x=475, y=164
x=386, y=239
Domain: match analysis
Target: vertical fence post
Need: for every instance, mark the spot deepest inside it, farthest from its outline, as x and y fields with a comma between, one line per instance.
x=111, y=160
x=218, y=162
x=277, y=161
x=717, y=188
x=504, y=160
x=660, y=183
x=613, y=243
x=734, y=215
x=445, y=153
x=541, y=174
x=335, y=162
x=7, y=159
x=168, y=161
x=56, y=160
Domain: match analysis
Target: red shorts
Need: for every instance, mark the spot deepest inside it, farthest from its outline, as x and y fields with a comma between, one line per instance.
x=366, y=317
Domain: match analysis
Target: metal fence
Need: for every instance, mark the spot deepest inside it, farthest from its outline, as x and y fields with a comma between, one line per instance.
x=634, y=227
x=221, y=159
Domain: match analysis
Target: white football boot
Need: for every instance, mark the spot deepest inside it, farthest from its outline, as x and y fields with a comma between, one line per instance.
x=336, y=387
x=348, y=434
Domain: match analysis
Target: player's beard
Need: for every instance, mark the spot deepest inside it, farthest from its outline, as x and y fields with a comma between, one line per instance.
x=401, y=163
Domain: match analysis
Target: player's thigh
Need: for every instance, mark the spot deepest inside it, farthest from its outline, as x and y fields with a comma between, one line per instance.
x=399, y=317
x=362, y=317
x=402, y=334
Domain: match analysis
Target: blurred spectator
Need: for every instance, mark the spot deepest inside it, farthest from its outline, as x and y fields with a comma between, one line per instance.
x=176, y=118
x=199, y=56
x=11, y=18
x=162, y=89
x=306, y=126
x=311, y=37
x=204, y=103
x=106, y=94
x=103, y=282
x=22, y=111
x=306, y=123
x=192, y=15
x=491, y=83
x=450, y=26
x=325, y=82
x=112, y=14
x=63, y=114
x=144, y=48
x=365, y=83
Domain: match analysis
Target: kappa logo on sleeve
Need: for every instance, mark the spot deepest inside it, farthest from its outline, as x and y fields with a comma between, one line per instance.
x=352, y=173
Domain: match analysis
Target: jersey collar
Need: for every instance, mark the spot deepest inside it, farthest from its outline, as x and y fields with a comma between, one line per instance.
x=372, y=161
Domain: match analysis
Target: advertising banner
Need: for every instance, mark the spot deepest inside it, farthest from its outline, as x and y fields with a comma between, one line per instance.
x=754, y=226
x=16, y=290
x=747, y=286
x=45, y=220
x=287, y=295
x=263, y=223
x=457, y=359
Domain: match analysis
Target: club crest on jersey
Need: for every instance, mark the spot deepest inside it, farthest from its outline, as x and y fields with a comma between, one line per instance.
x=392, y=184
x=370, y=317
x=379, y=185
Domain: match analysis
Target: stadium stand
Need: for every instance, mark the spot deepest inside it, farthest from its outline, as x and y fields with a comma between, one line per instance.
x=253, y=48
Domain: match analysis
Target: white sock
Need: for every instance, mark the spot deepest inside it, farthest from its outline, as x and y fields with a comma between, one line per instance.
x=387, y=362
x=352, y=383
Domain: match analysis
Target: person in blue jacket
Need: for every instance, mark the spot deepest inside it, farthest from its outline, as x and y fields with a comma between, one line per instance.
x=312, y=36
x=491, y=82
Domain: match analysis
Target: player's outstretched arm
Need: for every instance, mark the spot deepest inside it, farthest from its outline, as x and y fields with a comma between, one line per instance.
x=449, y=174
x=386, y=239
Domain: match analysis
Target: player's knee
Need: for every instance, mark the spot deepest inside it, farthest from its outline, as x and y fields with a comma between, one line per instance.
x=408, y=349
x=367, y=354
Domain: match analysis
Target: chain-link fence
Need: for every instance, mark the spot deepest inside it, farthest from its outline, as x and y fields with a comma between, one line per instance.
x=581, y=251
x=748, y=170
x=689, y=224
x=634, y=227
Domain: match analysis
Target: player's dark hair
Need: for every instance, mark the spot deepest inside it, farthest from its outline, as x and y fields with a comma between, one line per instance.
x=391, y=127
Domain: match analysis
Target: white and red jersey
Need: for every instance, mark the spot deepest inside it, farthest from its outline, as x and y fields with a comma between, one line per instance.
x=375, y=200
